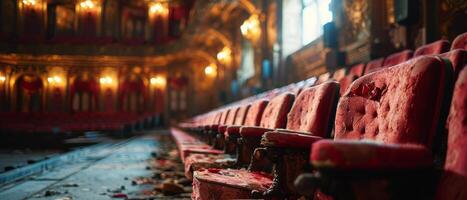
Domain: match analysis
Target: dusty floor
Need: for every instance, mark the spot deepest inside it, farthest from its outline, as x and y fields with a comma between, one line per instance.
x=146, y=167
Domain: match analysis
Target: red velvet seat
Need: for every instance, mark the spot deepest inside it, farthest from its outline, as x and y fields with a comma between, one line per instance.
x=458, y=58
x=386, y=122
x=247, y=115
x=357, y=69
x=460, y=42
x=397, y=58
x=434, y=48
x=374, y=65
x=308, y=121
x=453, y=183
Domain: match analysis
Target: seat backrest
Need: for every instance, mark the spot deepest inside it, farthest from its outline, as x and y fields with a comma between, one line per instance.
x=400, y=104
x=458, y=58
x=460, y=42
x=345, y=82
x=454, y=180
x=275, y=113
x=232, y=115
x=397, y=58
x=223, y=117
x=357, y=69
x=374, y=65
x=433, y=48
x=241, y=115
x=217, y=117
x=253, y=118
x=313, y=108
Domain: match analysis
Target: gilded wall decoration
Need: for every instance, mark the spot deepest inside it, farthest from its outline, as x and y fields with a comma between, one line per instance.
x=356, y=13
x=452, y=17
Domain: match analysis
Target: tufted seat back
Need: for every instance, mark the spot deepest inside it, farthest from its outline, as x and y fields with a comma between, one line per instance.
x=374, y=65
x=357, y=69
x=313, y=108
x=458, y=58
x=400, y=104
x=241, y=115
x=345, y=82
x=275, y=113
x=454, y=180
x=397, y=58
x=460, y=42
x=224, y=116
x=433, y=48
x=457, y=126
x=232, y=115
x=253, y=118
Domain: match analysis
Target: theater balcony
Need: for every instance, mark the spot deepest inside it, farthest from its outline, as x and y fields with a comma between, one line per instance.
x=233, y=99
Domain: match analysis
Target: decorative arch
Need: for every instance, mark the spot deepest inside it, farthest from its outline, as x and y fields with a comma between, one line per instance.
x=132, y=94
x=84, y=92
x=29, y=91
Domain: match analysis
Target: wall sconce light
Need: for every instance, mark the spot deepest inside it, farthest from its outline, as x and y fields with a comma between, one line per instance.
x=157, y=8
x=210, y=70
x=105, y=80
x=29, y=2
x=2, y=79
x=54, y=80
x=224, y=55
x=87, y=4
x=158, y=81
x=250, y=28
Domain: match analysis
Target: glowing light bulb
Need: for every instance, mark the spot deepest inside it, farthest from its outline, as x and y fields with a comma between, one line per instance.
x=88, y=4
x=224, y=55
x=2, y=79
x=158, y=81
x=50, y=80
x=157, y=8
x=29, y=2
x=209, y=70
x=57, y=79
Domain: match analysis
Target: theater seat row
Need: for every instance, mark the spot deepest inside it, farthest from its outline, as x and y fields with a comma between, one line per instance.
x=386, y=131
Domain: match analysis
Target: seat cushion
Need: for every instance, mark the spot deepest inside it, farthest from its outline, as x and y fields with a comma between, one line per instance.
x=352, y=155
x=228, y=183
x=253, y=131
x=203, y=161
x=397, y=58
x=288, y=139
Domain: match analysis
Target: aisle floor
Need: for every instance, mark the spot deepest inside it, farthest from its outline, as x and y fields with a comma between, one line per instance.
x=136, y=169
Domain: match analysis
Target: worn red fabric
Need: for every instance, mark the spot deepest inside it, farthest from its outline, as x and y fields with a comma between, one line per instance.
x=347, y=154
x=456, y=157
x=400, y=104
x=453, y=183
x=460, y=42
x=275, y=114
x=241, y=115
x=458, y=58
x=397, y=58
x=289, y=139
x=253, y=118
x=345, y=83
x=253, y=131
x=232, y=130
x=312, y=109
x=433, y=48
x=203, y=161
x=357, y=69
x=374, y=65
x=228, y=183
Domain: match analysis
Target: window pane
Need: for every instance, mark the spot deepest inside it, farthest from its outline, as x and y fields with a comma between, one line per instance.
x=315, y=14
